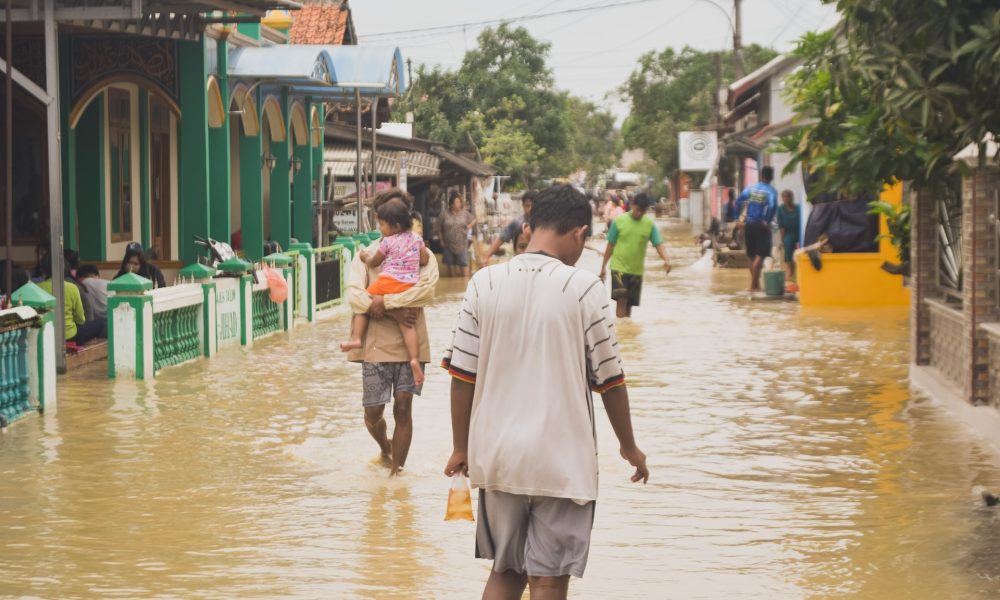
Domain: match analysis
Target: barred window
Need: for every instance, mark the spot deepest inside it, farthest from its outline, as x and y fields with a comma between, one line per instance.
x=949, y=208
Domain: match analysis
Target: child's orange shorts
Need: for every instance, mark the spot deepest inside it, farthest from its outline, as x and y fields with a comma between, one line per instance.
x=388, y=285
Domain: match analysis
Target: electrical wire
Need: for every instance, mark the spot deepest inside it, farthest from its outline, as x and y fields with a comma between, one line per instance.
x=518, y=19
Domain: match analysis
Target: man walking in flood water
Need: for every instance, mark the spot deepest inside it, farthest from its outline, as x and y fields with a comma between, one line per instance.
x=385, y=368
x=532, y=334
x=757, y=205
x=628, y=235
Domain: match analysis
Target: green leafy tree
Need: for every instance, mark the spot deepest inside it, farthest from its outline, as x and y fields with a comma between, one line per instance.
x=673, y=91
x=503, y=100
x=896, y=91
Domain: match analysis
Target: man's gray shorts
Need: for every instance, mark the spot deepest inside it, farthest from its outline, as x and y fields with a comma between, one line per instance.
x=535, y=535
x=382, y=380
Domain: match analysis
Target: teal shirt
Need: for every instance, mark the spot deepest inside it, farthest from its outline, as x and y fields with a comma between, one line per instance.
x=789, y=221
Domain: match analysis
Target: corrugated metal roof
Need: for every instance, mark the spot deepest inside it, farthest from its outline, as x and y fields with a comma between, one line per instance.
x=341, y=159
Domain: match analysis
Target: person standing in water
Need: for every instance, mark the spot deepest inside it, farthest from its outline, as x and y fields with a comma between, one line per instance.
x=789, y=218
x=385, y=367
x=513, y=229
x=757, y=204
x=523, y=422
x=628, y=236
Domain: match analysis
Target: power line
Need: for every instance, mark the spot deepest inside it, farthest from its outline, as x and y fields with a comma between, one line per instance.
x=529, y=17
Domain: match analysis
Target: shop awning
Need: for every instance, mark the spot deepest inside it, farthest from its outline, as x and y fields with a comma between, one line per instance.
x=374, y=71
x=288, y=65
x=341, y=160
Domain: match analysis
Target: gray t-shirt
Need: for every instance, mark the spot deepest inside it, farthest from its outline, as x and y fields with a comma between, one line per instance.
x=512, y=230
x=97, y=291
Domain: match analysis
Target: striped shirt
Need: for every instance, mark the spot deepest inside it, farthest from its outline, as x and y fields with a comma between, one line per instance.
x=535, y=336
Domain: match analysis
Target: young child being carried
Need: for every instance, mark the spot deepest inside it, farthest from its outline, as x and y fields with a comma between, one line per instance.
x=401, y=253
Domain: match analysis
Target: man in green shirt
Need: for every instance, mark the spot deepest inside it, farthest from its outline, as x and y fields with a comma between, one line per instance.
x=78, y=329
x=627, y=238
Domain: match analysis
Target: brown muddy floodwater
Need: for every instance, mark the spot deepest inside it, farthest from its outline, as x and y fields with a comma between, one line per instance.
x=788, y=460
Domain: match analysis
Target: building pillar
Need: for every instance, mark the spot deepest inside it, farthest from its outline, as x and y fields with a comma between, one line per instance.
x=302, y=206
x=71, y=237
x=145, y=200
x=89, y=190
x=280, y=208
x=923, y=271
x=219, y=156
x=193, y=213
x=252, y=196
x=979, y=299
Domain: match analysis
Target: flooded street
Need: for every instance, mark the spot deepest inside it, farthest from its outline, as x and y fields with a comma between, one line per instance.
x=787, y=456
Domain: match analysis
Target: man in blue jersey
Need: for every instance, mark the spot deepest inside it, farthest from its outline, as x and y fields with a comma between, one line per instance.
x=757, y=205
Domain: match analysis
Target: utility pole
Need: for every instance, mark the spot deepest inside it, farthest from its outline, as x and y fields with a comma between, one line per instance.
x=738, y=38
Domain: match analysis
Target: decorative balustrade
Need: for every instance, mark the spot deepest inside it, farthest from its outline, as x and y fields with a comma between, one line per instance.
x=14, y=378
x=177, y=335
x=266, y=314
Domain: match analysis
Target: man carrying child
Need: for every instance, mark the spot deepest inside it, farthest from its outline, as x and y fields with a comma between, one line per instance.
x=385, y=361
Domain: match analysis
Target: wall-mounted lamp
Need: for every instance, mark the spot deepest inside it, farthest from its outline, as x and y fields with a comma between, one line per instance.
x=296, y=164
x=270, y=161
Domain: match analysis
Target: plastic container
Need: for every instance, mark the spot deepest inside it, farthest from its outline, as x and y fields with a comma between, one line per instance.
x=774, y=283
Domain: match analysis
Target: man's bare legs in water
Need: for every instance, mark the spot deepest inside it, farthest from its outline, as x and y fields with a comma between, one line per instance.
x=395, y=449
x=756, y=266
x=622, y=308
x=510, y=585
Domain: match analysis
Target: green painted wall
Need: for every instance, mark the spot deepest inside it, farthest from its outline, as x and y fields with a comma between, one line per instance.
x=219, y=157
x=281, y=201
x=89, y=190
x=144, y=199
x=251, y=196
x=302, y=210
x=192, y=150
x=249, y=29
x=70, y=230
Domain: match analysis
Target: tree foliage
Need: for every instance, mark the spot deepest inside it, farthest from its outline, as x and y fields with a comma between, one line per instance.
x=896, y=91
x=674, y=91
x=503, y=102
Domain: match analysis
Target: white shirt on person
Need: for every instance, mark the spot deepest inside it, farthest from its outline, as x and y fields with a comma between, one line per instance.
x=536, y=337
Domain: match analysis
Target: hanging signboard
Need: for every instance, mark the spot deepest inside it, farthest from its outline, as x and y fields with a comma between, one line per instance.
x=697, y=150
x=346, y=220
x=227, y=307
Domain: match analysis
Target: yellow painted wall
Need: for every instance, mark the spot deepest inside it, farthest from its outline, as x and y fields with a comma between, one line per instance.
x=855, y=279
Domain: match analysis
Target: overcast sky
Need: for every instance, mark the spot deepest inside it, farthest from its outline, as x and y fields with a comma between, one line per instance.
x=592, y=52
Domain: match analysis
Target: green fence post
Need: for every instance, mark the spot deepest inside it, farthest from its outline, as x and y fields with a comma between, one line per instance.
x=307, y=281
x=130, y=327
x=207, y=331
x=239, y=268
x=41, y=346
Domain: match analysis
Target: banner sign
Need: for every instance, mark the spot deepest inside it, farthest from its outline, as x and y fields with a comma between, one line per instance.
x=697, y=150
x=346, y=220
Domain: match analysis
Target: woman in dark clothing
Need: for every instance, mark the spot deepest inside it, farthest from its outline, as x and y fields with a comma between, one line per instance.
x=134, y=262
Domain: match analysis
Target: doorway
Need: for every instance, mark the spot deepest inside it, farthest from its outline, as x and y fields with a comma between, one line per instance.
x=159, y=177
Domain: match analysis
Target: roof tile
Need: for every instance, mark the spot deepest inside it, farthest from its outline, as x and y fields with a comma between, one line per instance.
x=319, y=24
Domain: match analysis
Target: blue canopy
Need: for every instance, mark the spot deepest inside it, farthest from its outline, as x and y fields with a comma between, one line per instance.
x=291, y=65
x=374, y=71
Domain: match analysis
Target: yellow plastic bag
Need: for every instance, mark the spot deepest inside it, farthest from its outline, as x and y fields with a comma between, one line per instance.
x=459, y=500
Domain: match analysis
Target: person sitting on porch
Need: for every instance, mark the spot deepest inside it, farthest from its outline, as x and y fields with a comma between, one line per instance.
x=135, y=262
x=79, y=330
x=95, y=288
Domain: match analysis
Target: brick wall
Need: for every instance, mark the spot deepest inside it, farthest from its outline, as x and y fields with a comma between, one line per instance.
x=923, y=271
x=994, y=368
x=948, y=351
x=979, y=293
